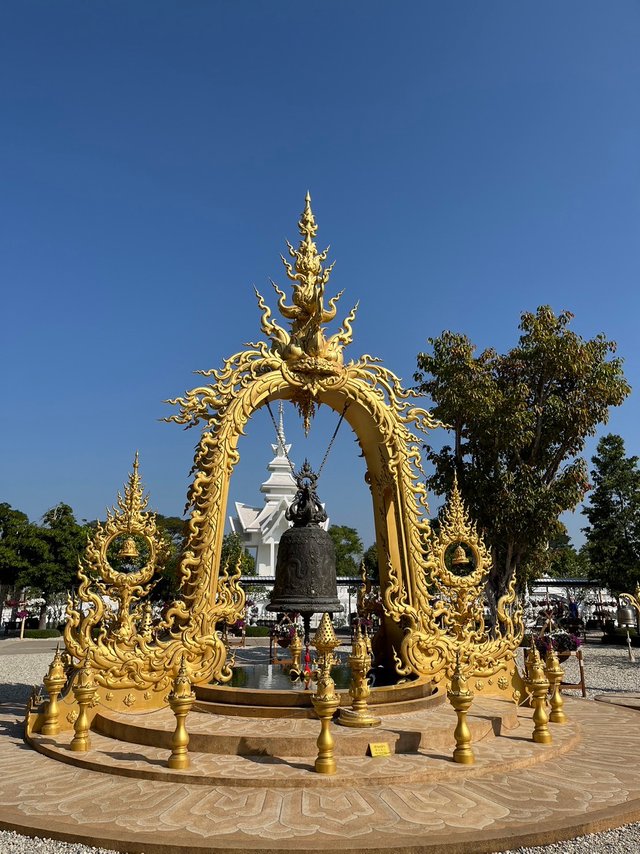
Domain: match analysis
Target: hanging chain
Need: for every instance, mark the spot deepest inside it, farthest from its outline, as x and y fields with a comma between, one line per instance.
x=329, y=446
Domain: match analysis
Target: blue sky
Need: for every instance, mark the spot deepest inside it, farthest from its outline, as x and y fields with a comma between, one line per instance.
x=467, y=162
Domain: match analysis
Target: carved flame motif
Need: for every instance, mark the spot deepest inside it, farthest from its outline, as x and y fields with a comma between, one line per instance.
x=436, y=608
x=305, y=349
x=109, y=619
x=306, y=344
x=450, y=625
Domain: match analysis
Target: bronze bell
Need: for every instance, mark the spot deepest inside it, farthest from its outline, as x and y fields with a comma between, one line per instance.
x=306, y=566
x=626, y=616
x=129, y=549
x=459, y=557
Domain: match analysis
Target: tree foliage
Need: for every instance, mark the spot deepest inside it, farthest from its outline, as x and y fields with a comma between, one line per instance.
x=370, y=558
x=518, y=422
x=564, y=561
x=613, y=511
x=348, y=550
x=232, y=551
x=173, y=531
x=20, y=545
x=54, y=563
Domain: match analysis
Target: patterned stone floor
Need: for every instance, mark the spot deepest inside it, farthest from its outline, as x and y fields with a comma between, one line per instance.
x=518, y=793
x=228, y=735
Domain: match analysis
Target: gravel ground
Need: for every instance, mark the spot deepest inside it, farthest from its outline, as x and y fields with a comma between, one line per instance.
x=608, y=669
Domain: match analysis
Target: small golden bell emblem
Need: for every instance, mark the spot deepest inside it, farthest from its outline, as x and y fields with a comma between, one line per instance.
x=459, y=557
x=129, y=549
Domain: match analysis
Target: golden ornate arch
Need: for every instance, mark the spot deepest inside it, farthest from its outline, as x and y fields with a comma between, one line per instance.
x=431, y=616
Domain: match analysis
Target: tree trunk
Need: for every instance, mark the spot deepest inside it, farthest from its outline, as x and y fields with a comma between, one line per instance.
x=502, y=569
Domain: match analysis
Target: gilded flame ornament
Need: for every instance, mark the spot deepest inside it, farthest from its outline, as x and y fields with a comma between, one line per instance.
x=431, y=604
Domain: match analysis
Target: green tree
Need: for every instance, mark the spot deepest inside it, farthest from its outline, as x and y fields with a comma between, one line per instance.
x=348, y=550
x=613, y=511
x=518, y=423
x=55, y=562
x=19, y=544
x=564, y=561
x=173, y=529
x=232, y=550
x=370, y=558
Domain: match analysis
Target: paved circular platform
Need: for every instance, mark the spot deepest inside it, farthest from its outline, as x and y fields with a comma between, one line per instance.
x=518, y=793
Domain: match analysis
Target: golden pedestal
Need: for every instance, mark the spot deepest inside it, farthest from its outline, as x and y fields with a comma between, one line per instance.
x=538, y=687
x=325, y=700
x=554, y=674
x=84, y=691
x=181, y=700
x=359, y=714
x=54, y=682
x=461, y=698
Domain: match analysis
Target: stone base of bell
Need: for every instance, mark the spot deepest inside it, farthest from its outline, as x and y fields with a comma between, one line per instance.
x=348, y=717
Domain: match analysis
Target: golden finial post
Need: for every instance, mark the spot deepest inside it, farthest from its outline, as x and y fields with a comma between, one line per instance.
x=461, y=698
x=325, y=700
x=554, y=673
x=359, y=714
x=84, y=691
x=537, y=686
x=296, y=655
x=54, y=682
x=145, y=627
x=181, y=700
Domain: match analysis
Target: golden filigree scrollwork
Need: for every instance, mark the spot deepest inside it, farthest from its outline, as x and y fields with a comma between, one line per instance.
x=449, y=626
x=305, y=345
x=424, y=623
x=111, y=594
x=109, y=619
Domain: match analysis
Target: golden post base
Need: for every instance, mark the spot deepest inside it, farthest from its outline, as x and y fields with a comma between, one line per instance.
x=461, y=698
x=355, y=718
x=181, y=700
x=554, y=673
x=538, y=687
x=325, y=709
x=84, y=691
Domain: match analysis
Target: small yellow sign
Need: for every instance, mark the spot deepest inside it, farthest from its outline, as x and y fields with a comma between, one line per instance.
x=379, y=748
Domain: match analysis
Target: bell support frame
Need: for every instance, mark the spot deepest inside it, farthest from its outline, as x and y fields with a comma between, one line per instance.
x=432, y=618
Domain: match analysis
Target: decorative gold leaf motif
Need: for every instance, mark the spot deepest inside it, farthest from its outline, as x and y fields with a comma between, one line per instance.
x=438, y=608
x=72, y=717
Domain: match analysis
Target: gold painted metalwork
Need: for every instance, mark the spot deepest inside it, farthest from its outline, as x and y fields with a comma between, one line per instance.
x=129, y=549
x=449, y=625
x=181, y=700
x=359, y=715
x=537, y=686
x=554, y=673
x=461, y=698
x=84, y=691
x=634, y=601
x=296, y=655
x=127, y=654
x=54, y=682
x=431, y=611
x=325, y=700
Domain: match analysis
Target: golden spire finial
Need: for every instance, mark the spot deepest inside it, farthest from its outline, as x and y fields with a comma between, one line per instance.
x=134, y=502
x=306, y=346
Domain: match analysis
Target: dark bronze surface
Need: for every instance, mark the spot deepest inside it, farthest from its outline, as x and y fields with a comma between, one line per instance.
x=306, y=565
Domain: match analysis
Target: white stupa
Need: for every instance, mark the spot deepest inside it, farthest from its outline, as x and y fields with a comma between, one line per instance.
x=260, y=528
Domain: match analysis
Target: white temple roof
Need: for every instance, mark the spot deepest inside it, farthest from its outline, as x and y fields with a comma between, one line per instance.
x=279, y=490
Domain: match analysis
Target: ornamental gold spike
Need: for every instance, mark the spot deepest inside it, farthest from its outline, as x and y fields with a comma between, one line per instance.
x=134, y=503
x=305, y=346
